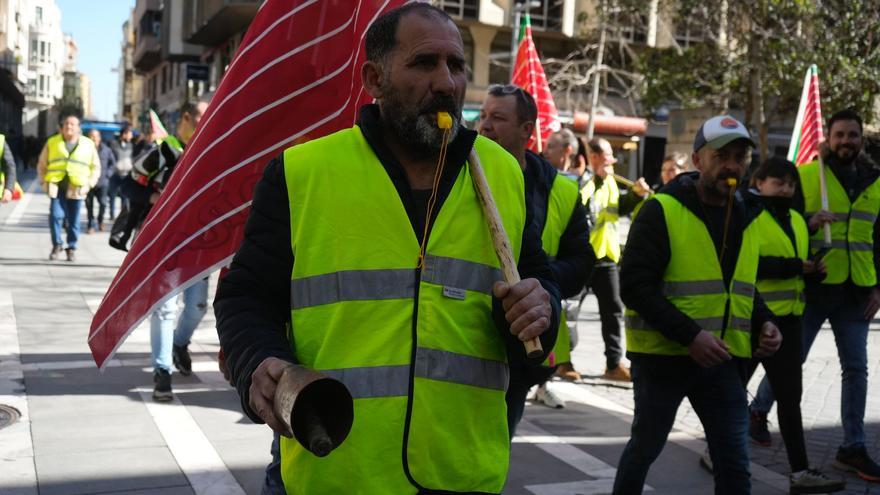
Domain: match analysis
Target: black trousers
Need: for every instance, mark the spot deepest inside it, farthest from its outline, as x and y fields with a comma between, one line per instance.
x=784, y=373
x=605, y=283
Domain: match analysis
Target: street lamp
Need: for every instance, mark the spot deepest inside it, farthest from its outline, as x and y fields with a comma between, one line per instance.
x=518, y=8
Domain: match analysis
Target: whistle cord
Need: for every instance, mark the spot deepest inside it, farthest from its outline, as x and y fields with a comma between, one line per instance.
x=432, y=201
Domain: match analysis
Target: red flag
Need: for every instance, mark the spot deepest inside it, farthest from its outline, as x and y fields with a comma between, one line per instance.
x=529, y=75
x=296, y=76
x=807, y=133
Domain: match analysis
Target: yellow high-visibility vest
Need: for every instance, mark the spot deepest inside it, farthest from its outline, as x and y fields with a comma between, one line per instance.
x=783, y=296
x=852, y=235
x=77, y=166
x=605, y=201
x=694, y=283
x=418, y=349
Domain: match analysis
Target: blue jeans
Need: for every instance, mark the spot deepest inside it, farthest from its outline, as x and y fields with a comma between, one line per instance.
x=61, y=209
x=99, y=193
x=719, y=399
x=272, y=483
x=851, y=336
x=163, y=332
x=114, y=191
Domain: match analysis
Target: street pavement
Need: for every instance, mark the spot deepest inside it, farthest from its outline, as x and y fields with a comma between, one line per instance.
x=82, y=431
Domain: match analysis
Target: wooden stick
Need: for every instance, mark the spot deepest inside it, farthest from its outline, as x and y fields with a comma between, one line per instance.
x=623, y=180
x=823, y=192
x=499, y=238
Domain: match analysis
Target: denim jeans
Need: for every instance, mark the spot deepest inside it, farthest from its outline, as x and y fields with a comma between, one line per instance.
x=113, y=192
x=719, y=399
x=164, y=333
x=61, y=209
x=272, y=483
x=99, y=193
x=851, y=336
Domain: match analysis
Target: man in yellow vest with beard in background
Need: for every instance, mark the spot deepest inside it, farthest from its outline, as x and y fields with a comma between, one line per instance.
x=67, y=168
x=347, y=268
x=688, y=280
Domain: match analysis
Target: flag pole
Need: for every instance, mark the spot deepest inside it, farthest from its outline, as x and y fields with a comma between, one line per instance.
x=538, y=135
x=823, y=190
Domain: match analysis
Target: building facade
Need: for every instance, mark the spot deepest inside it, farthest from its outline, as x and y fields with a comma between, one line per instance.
x=45, y=56
x=160, y=55
x=131, y=96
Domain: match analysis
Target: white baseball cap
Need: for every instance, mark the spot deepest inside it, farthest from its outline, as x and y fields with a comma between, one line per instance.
x=719, y=131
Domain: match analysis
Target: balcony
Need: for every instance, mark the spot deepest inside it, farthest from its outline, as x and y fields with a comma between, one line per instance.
x=148, y=46
x=461, y=9
x=211, y=22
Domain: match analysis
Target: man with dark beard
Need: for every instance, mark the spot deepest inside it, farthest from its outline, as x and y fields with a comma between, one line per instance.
x=849, y=295
x=688, y=280
x=369, y=259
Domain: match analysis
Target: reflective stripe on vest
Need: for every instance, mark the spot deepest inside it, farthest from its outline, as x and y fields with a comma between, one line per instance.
x=560, y=206
x=604, y=201
x=417, y=348
x=694, y=283
x=852, y=236
x=77, y=166
x=783, y=296
x=393, y=381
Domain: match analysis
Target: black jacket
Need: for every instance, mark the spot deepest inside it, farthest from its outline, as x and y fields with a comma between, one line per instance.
x=253, y=299
x=647, y=254
x=854, y=181
x=575, y=258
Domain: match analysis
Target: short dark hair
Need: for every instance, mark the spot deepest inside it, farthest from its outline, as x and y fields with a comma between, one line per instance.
x=382, y=34
x=189, y=106
x=845, y=114
x=526, y=109
x=777, y=167
x=125, y=128
x=65, y=114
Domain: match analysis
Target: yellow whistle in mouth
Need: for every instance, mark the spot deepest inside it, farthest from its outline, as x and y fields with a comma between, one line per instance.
x=444, y=120
x=732, y=182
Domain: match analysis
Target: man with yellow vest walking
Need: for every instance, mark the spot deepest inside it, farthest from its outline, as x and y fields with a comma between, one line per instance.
x=67, y=168
x=688, y=278
x=606, y=205
x=367, y=257
x=508, y=117
x=849, y=296
x=7, y=174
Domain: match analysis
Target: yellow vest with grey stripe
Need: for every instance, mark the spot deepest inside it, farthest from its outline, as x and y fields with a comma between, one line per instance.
x=605, y=201
x=694, y=283
x=852, y=235
x=418, y=349
x=560, y=205
x=77, y=166
x=784, y=296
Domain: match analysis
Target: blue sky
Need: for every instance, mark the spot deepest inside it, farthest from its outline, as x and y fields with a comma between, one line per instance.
x=96, y=26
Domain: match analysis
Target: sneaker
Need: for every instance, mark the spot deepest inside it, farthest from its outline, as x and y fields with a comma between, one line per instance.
x=619, y=374
x=758, y=431
x=117, y=243
x=566, y=372
x=162, y=388
x=856, y=459
x=706, y=462
x=813, y=481
x=71, y=254
x=181, y=359
x=56, y=252
x=545, y=396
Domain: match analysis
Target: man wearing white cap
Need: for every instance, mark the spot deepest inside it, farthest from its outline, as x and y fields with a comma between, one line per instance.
x=688, y=278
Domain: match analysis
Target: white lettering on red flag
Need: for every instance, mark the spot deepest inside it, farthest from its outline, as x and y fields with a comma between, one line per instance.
x=296, y=76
